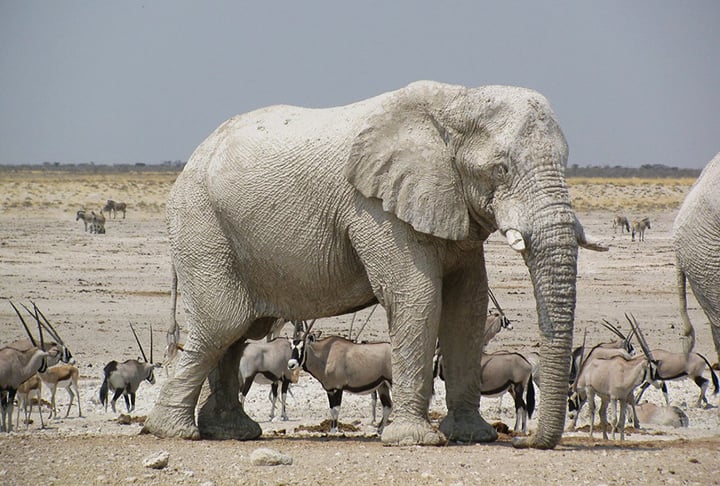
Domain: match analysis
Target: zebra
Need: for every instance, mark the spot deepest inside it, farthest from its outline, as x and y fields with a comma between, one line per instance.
x=85, y=216
x=621, y=221
x=97, y=225
x=113, y=207
x=639, y=227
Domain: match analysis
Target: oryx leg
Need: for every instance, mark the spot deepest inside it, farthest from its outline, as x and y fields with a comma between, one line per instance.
x=245, y=389
x=386, y=401
x=273, y=398
x=516, y=391
x=132, y=401
x=334, y=400
x=621, y=419
x=703, y=383
x=373, y=406
x=7, y=407
x=603, y=417
x=283, y=398
x=116, y=395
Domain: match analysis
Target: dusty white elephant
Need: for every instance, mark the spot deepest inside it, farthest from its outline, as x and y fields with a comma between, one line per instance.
x=307, y=213
x=696, y=240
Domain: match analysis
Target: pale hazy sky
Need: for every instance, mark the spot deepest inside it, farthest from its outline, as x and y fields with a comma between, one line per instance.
x=632, y=82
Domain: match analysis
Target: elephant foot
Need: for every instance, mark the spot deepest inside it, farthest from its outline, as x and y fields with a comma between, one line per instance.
x=467, y=427
x=165, y=421
x=407, y=433
x=225, y=423
x=535, y=441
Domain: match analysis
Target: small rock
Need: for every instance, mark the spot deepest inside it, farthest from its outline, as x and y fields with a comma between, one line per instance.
x=269, y=457
x=157, y=461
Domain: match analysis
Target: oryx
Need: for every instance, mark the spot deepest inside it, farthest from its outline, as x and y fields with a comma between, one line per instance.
x=268, y=360
x=125, y=378
x=16, y=366
x=343, y=365
x=624, y=344
x=614, y=379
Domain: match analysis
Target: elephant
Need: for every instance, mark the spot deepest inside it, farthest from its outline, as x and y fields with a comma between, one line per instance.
x=296, y=213
x=696, y=242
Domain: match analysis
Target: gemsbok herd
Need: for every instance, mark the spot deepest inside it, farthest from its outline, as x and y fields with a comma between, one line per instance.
x=612, y=371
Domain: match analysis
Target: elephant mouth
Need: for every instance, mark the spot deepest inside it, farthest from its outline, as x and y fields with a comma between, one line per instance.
x=483, y=221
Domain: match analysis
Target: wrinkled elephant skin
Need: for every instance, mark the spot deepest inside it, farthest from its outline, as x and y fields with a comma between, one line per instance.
x=308, y=213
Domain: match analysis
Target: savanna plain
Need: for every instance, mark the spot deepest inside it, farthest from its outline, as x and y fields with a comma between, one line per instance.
x=90, y=287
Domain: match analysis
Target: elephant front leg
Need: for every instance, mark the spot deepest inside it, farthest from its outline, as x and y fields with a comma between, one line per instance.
x=462, y=325
x=221, y=415
x=413, y=333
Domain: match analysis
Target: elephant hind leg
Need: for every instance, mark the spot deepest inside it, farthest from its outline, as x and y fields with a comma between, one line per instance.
x=221, y=415
x=174, y=412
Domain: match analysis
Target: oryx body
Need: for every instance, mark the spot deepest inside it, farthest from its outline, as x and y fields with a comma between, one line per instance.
x=125, y=378
x=612, y=379
x=16, y=366
x=342, y=365
x=505, y=371
x=676, y=366
x=268, y=361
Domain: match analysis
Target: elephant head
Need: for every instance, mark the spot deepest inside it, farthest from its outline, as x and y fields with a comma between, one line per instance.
x=461, y=163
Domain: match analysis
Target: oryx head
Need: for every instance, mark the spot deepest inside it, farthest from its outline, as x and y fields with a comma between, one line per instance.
x=627, y=340
x=44, y=363
x=301, y=340
x=62, y=348
x=652, y=373
x=149, y=365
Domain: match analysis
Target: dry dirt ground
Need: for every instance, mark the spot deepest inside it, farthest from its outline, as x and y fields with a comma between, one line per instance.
x=91, y=286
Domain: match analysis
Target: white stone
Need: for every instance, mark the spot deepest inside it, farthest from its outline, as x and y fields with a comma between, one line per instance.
x=157, y=461
x=269, y=457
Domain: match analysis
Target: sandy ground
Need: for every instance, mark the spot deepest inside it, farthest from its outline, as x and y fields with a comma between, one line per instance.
x=91, y=286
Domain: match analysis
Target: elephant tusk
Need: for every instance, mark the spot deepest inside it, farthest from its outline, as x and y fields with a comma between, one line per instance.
x=515, y=239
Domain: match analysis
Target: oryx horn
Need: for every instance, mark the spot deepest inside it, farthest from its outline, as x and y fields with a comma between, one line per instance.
x=308, y=327
x=365, y=323
x=138, y=342
x=48, y=327
x=614, y=329
x=494, y=301
x=32, y=339
x=641, y=339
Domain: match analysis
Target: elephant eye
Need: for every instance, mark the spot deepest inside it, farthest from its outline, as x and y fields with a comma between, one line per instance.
x=500, y=171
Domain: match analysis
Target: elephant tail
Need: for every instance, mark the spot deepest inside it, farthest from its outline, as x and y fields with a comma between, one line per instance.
x=173, y=333
x=530, y=397
x=688, y=330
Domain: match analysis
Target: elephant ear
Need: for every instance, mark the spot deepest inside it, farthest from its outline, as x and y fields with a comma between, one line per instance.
x=402, y=157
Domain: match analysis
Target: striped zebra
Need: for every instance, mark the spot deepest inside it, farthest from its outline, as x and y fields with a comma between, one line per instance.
x=97, y=225
x=86, y=217
x=639, y=227
x=622, y=222
x=113, y=207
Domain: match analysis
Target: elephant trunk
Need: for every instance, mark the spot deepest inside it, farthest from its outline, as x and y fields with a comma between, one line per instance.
x=552, y=262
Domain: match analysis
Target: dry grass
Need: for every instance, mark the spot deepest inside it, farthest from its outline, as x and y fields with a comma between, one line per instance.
x=628, y=194
x=41, y=190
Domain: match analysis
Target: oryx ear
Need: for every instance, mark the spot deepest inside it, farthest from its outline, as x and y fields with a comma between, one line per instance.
x=403, y=157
